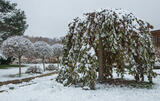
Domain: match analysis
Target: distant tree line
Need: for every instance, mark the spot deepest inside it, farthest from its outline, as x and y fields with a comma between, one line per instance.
x=50, y=41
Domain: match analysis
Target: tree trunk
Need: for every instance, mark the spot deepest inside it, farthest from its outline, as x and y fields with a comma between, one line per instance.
x=58, y=59
x=142, y=77
x=101, y=61
x=19, y=59
x=43, y=64
x=136, y=77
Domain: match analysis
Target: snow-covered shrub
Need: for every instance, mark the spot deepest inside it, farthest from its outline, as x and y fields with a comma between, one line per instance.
x=52, y=68
x=57, y=50
x=34, y=69
x=16, y=46
x=102, y=39
x=42, y=50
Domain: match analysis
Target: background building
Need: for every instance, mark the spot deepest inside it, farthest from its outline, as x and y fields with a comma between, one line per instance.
x=156, y=38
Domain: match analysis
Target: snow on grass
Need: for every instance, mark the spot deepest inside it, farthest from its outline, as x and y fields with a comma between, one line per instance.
x=12, y=73
x=45, y=89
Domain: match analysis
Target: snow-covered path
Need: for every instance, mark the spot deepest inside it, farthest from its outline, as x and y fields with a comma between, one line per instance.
x=47, y=89
x=12, y=73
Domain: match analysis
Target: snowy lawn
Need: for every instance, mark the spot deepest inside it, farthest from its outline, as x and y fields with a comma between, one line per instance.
x=12, y=73
x=47, y=89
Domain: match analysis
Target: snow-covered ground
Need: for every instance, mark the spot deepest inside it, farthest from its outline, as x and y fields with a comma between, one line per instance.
x=12, y=73
x=47, y=89
x=157, y=64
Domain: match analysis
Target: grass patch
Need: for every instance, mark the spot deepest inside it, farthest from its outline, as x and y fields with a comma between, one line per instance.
x=10, y=66
x=128, y=83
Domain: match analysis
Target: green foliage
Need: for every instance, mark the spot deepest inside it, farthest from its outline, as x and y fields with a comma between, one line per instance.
x=10, y=66
x=12, y=20
x=107, y=40
x=6, y=61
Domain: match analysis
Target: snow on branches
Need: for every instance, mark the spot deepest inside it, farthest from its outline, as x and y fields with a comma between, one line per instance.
x=42, y=50
x=57, y=50
x=16, y=46
x=12, y=20
x=103, y=41
x=1, y=55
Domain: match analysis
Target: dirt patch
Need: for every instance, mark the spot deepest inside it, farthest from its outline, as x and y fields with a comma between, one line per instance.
x=128, y=83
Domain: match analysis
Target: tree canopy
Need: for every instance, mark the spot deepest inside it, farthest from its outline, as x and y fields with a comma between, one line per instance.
x=17, y=47
x=42, y=50
x=110, y=40
x=12, y=20
x=57, y=50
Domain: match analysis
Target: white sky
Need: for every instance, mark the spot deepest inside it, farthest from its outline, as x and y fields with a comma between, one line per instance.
x=49, y=18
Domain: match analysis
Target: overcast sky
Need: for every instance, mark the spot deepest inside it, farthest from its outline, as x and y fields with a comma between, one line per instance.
x=50, y=18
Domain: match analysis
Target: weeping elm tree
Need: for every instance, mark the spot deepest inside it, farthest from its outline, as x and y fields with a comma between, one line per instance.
x=57, y=50
x=42, y=50
x=16, y=46
x=106, y=40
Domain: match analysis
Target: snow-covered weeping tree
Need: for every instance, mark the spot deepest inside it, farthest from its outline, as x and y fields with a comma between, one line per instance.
x=57, y=50
x=16, y=46
x=106, y=40
x=42, y=50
